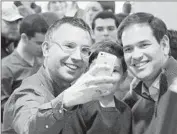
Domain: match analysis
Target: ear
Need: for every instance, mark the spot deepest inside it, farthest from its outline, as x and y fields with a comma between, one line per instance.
x=45, y=48
x=165, y=45
x=25, y=38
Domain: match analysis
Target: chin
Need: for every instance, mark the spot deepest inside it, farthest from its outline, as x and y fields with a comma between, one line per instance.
x=70, y=78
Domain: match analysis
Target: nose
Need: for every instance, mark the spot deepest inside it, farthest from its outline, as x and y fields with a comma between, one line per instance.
x=137, y=54
x=76, y=55
x=106, y=32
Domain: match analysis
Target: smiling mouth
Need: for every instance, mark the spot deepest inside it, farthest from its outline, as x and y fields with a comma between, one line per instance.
x=141, y=64
x=71, y=66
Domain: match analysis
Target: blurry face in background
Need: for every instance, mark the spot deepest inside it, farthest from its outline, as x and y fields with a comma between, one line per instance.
x=57, y=6
x=34, y=44
x=11, y=29
x=105, y=29
x=92, y=9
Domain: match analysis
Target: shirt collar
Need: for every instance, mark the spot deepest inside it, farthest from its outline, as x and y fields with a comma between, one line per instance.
x=153, y=90
x=167, y=70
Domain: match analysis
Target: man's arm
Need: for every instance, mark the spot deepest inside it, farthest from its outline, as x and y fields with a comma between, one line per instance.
x=32, y=114
x=6, y=87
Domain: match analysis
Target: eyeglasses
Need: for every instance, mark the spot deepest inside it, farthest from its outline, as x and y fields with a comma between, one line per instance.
x=71, y=47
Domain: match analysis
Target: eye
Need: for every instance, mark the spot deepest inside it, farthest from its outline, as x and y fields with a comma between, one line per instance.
x=111, y=28
x=128, y=50
x=144, y=45
x=116, y=69
x=99, y=29
x=86, y=50
x=69, y=46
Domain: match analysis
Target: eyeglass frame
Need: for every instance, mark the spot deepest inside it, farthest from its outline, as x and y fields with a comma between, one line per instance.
x=71, y=52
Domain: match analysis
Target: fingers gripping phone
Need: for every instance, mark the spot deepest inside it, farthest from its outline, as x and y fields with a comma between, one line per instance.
x=107, y=59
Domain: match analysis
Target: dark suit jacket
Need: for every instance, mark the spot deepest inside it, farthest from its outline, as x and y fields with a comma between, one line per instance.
x=148, y=114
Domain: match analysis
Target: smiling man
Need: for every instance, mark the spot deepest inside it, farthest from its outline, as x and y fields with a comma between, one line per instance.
x=147, y=55
x=44, y=101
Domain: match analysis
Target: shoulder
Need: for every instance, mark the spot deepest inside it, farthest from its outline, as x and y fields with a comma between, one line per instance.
x=171, y=72
x=122, y=106
x=10, y=63
x=89, y=108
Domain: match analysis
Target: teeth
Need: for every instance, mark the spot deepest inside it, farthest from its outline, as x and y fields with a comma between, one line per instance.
x=71, y=66
x=140, y=64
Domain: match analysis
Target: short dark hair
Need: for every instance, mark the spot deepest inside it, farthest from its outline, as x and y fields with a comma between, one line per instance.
x=111, y=47
x=77, y=22
x=106, y=5
x=120, y=17
x=104, y=15
x=172, y=35
x=32, y=24
x=49, y=17
x=158, y=27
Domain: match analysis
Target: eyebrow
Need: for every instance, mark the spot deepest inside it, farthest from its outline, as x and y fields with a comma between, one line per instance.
x=75, y=43
x=140, y=42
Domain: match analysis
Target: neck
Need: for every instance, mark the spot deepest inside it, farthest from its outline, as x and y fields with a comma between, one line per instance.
x=23, y=53
x=107, y=101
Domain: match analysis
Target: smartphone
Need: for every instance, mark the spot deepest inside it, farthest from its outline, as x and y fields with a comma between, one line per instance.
x=107, y=59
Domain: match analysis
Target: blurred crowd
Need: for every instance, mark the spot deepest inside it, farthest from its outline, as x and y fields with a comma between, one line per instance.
x=23, y=31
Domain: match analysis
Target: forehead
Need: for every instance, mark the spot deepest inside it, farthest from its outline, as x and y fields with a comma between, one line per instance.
x=105, y=22
x=93, y=5
x=67, y=32
x=136, y=33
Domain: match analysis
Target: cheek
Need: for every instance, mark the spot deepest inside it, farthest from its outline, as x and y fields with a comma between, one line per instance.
x=127, y=58
x=117, y=75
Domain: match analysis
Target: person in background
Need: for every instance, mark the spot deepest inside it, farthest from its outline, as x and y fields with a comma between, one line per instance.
x=107, y=115
x=120, y=17
x=45, y=100
x=172, y=34
x=73, y=10
x=108, y=5
x=127, y=7
x=23, y=62
x=10, y=28
x=93, y=8
x=27, y=8
x=147, y=55
x=58, y=7
x=105, y=26
x=50, y=17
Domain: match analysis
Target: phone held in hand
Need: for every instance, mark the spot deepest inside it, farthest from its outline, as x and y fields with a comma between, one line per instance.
x=107, y=59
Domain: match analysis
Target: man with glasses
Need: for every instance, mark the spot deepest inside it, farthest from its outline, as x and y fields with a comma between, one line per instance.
x=45, y=101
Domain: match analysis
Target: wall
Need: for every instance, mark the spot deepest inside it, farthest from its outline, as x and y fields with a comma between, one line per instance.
x=167, y=11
